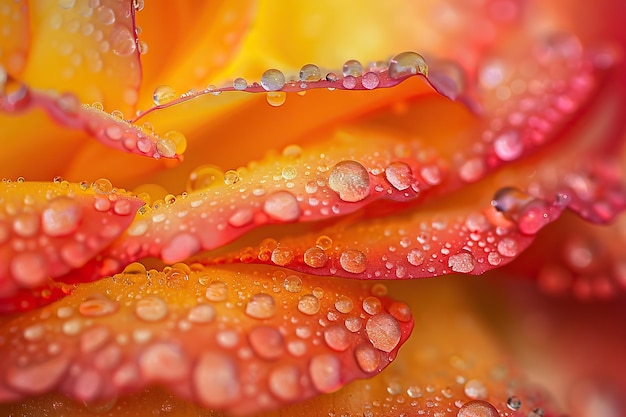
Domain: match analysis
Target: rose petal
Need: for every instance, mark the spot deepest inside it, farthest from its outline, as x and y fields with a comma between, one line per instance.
x=50, y=229
x=241, y=340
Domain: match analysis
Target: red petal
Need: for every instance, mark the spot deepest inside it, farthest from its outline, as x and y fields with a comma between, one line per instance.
x=50, y=229
x=242, y=340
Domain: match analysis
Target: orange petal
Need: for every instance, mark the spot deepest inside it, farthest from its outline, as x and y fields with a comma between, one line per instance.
x=50, y=229
x=242, y=339
x=88, y=48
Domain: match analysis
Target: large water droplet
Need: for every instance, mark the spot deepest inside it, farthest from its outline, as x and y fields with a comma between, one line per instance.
x=217, y=291
x=282, y=206
x=315, y=257
x=310, y=72
x=272, y=80
x=508, y=145
x=407, y=63
x=261, y=306
x=462, y=262
x=367, y=358
x=352, y=68
x=240, y=84
x=477, y=408
x=163, y=94
x=122, y=41
x=61, y=217
x=399, y=175
x=350, y=180
x=384, y=331
x=325, y=372
x=353, y=260
x=308, y=304
x=151, y=309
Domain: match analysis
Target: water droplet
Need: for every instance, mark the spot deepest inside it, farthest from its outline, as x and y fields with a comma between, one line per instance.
x=61, y=217
x=240, y=84
x=514, y=403
x=414, y=391
x=151, y=308
x=352, y=68
x=217, y=291
x=284, y=382
x=370, y=80
x=372, y=305
x=349, y=82
x=231, y=177
x=308, y=304
x=324, y=242
x=122, y=41
x=367, y=358
x=204, y=176
x=383, y=331
x=507, y=247
x=315, y=257
x=215, y=392
x=282, y=256
x=266, y=342
x=325, y=373
x=201, y=313
x=241, y=217
x=407, y=63
x=344, y=304
x=272, y=80
x=399, y=175
x=166, y=147
x=415, y=257
x=353, y=324
x=462, y=262
x=97, y=306
x=29, y=269
x=282, y=206
x=533, y=217
x=179, y=140
x=293, y=284
x=337, y=338
x=353, y=261
x=261, y=306
x=163, y=94
x=508, y=145
x=276, y=98
x=477, y=408
x=310, y=72
x=102, y=186
x=475, y=390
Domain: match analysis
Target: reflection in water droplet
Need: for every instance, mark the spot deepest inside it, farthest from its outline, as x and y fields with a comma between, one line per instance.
x=163, y=94
x=407, y=63
x=272, y=80
x=310, y=72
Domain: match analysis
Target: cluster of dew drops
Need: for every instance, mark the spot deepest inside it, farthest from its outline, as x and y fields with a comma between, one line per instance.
x=354, y=76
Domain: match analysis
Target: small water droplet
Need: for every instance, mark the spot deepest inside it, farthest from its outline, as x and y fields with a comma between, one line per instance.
x=240, y=84
x=415, y=257
x=315, y=257
x=383, y=331
x=370, y=80
x=282, y=256
x=407, y=63
x=205, y=176
x=350, y=180
x=276, y=98
x=231, y=177
x=122, y=41
x=462, y=262
x=475, y=389
x=102, y=186
x=61, y=217
x=282, y=206
x=399, y=175
x=367, y=358
x=508, y=145
x=217, y=291
x=337, y=338
x=324, y=242
x=293, y=284
x=344, y=304
x=514, y=403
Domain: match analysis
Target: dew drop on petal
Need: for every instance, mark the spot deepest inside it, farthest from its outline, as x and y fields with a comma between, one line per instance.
x=272, y=80
x=201, y=313
x=353, y=261
x=337, y=337
x=310, y=72
x=122, y=41
x=261, y=306
x=514, y=403
x=350, y=180
x=282, y=206
x=324, y=371
x=407, y=63
x=384, y=331
x=315, y=257
x=352, y=68
x=163, y=94
x=266, y=342
x=309, y=304
x=282, y=256
x=372, y=305
x=98, y=306
x=533, y=217
x=293, y=284
x=217, y=291
x=367, y=358
x=216, y=380
x=240, y=84
x=61, y=217
x=344, y=304
x=477, y=408
x=415, y=257
x=399, y=175
x=324, y=242
x=475, y=389
x=508, y=146
x=204, y=176
x=102, y=186
x=151, y=308
x=284, y=382
x=370, y=80
x=462, y=262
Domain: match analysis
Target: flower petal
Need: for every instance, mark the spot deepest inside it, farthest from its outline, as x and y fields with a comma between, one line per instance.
x=241, y=340
x=50, y=229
